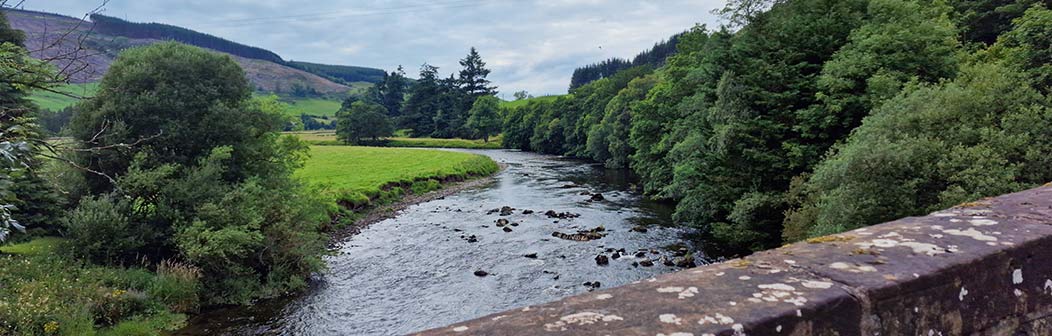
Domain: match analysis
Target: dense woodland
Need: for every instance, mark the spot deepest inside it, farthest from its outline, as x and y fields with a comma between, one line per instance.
x=340, y=73
x=459, y=106
x=654, y=57
x=159, y=31
x=806, y=118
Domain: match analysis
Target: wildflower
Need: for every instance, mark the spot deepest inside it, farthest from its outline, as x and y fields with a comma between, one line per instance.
x=51, y=327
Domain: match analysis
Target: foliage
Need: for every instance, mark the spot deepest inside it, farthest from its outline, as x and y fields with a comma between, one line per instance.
x=363, y=120
x=655, y=57
x=206, y=179
x=484, y=117
x=81, y=299
x=472, y=78
x=933, y=147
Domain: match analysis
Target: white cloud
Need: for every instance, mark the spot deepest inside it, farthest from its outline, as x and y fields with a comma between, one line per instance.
x=529, y=44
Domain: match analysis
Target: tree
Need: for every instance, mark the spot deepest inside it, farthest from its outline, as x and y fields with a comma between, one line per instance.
x=362, y=120
x=473, y=76
x=26, y=199
x=392, y=92
x=485, y=116
x=520, y=95
x=423, y=103
x=932, y=147
x=183, y=160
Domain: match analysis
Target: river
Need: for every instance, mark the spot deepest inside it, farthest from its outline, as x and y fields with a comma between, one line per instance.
x=417, y=271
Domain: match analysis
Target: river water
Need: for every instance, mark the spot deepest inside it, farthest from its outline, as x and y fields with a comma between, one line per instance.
x=417, y=271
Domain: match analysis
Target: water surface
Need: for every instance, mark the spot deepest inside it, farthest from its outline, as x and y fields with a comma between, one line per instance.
x=417, y=271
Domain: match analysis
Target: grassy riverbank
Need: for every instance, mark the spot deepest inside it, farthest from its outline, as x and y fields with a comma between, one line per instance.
x=362, y=175
x=44, y=291
x=328, y=138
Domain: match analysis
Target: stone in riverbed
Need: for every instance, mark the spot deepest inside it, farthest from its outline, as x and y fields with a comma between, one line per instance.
x=597, y=197
x=646, y=263
x=666, y=261
x=641, y=254
x=502, y=222
x=481, y=273
x=527, y=212
x=507, y=229
x=602, y=260
x=640, y=229
x=615, y=256
x=506, y=210
x=531, y=256
x=685, y=261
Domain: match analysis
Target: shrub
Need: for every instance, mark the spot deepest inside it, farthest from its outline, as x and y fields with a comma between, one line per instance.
x=100, y=230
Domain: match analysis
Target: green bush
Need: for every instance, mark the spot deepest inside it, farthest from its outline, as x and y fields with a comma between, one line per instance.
x=99, y=229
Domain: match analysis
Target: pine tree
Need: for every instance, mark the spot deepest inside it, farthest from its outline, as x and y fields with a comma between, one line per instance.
x=473, y=77
x=392, y=92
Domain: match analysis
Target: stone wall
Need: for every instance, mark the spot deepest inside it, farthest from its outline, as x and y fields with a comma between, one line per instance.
x=983, y=268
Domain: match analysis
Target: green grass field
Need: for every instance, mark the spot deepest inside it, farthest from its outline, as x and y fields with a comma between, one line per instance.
x=518, y=103
x=329, y=138
x=360, y=173
x=313, y=106
x=55, y=102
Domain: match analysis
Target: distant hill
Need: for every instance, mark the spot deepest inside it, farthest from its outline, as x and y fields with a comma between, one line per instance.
x=106, y=36
x=654, y=56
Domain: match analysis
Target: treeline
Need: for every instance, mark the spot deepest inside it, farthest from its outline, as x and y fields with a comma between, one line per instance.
x=655, y=57
x=817, y=117
x=341, y=73
x=431, y=106
x=159, y=31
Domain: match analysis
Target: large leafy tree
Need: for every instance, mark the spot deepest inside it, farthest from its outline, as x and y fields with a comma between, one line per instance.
x=193, y=169
x=363, y=120
x=485, y=117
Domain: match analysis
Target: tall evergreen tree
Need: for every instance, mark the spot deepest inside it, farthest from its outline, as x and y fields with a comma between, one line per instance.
x=423, y=103
x=392, y=92
x=473, y=77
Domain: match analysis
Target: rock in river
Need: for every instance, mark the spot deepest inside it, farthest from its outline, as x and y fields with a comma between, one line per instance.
x=502, y=222
x=531, y=256
x=684, y=261
x=602, y=260
x=507, y=229
x=506, y=210
x=481, y=273
x=646, y=263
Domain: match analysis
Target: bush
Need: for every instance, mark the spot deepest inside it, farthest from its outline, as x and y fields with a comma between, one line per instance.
x=100, y=230
x=425, y=186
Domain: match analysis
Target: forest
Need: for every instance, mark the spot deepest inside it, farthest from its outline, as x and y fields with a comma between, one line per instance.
x=805, y=118
x=158, y=31
x=654, y=56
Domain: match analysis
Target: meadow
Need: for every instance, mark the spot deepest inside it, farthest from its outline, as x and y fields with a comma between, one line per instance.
x=328, y=138
x=360, y=175
x=58, y=101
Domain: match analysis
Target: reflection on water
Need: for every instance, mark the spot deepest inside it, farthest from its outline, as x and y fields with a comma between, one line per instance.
x=416, y=271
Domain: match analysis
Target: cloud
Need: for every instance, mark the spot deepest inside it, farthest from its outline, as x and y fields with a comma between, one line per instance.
x=530, y=45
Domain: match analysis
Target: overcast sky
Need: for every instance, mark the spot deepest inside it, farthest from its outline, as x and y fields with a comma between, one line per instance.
x=530, y=45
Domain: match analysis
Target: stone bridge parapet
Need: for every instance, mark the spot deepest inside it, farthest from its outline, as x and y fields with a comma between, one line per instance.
x=982, y=268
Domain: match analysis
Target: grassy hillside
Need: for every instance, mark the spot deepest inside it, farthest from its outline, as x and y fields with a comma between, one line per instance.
x=360, y=173
x=265, y=69
x=518, y=103
x=313, y=106
x=55, y=102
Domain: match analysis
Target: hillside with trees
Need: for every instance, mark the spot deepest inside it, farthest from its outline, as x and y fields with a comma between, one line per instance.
x=655, y=56
x=815, y=117
x=96, y=43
